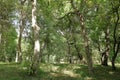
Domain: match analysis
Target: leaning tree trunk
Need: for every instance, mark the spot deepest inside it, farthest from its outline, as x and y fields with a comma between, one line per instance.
x=35, y=59
x=86, y=41
x=21, y=27
x=105, y=54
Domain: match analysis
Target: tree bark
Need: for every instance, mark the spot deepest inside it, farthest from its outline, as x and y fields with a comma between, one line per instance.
x=21, y=27
x=86, y=45
x=19, y=51
x=86, y=41
x=48, y=47
x=115, y=55
x=77, y=50
x=35, y=59
x=0, y=37
x=116, y=44
x=43, y=46
x=104, y=59
x=69, y=52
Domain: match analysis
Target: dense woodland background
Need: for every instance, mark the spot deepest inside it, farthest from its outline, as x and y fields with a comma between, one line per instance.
x=63, y=32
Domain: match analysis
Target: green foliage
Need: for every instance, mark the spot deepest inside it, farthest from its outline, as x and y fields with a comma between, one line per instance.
x=59, y=26
x=7, y=31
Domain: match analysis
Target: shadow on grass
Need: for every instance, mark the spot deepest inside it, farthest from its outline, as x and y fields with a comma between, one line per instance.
x=100, y=73
x=48, y=76
x=16, y=72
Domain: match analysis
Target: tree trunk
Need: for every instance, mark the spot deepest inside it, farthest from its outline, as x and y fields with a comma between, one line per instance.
x=21, y=27
x=43, y=46
x=86, y=44
x=35, y=59
x=69, y=53
x=116, y=44
x=48, y=58
x=115, y=55
x=19, y=52
x=0, y=38
x=86, y=41
x=104, y=59
x=77, y=50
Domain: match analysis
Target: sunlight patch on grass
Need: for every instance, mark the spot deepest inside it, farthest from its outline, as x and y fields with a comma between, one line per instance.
x=60, y=70
x=54, y=68
x=54, y=74
x=15, y=71
x=111, y=72
x=49, y=68
x=2, y=63
x=70, y=73
x=57, y=74
x=24, y=68
x=88, y=78
x=117, y=64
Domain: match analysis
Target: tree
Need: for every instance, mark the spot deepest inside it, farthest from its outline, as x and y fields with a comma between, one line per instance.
x=21, y=28
x=35, y=59
x=116, y=37
x=84, y=34
x=105, y=54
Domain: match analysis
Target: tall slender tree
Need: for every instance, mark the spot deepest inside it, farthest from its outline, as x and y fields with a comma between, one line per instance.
x=21, y=28
x=105, y=54
x=35, y=59
x=84, y=34
x=116, y=38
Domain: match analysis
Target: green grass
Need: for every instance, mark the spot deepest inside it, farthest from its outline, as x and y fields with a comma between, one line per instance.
x=13, y=71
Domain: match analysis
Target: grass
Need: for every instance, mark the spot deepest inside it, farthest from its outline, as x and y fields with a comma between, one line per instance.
x=13, y=71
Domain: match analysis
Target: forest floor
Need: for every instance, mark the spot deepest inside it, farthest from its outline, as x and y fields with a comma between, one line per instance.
x=13, y=71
